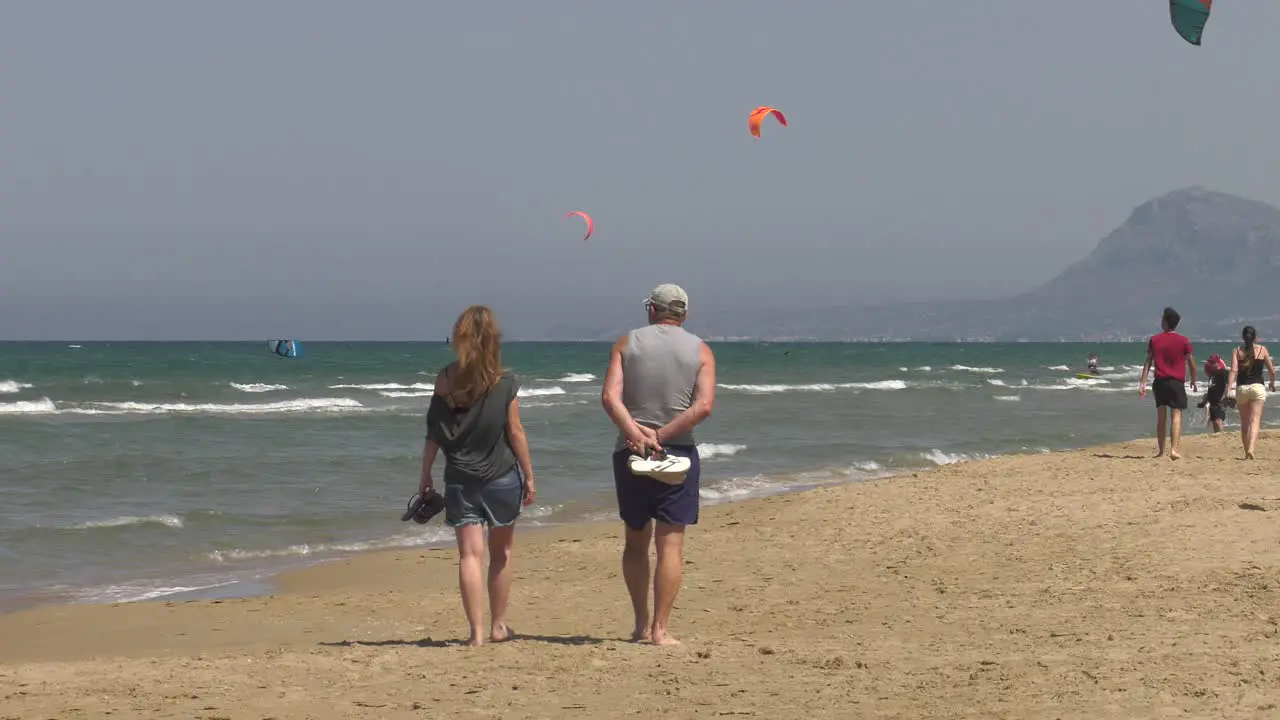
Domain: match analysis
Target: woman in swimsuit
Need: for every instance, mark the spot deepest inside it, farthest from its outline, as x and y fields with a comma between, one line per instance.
x=474, y=418
x=1247, y=362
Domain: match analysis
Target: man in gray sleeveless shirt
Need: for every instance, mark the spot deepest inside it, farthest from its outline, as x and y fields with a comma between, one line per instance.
x=660, y=384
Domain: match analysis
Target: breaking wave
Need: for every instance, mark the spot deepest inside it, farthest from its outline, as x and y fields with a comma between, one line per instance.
x=257, y=387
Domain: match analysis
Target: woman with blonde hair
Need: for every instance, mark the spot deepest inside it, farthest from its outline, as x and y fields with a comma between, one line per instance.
x=1247, y=362
x=474, y=418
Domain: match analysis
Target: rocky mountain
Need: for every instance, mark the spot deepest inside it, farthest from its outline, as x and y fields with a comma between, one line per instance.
x=1211, y=255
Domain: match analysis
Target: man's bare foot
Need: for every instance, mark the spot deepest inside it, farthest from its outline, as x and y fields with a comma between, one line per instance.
x=664, y=638
x=640, y=635
x=1160, y=452
x=501, y=633
x=1173, y=455
x=475, y=641
x=1248, y=456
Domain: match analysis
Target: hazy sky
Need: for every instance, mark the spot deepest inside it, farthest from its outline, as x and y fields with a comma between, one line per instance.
x=319, y=168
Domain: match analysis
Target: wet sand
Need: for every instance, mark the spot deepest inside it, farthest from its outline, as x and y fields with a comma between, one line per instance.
x=1100, y=583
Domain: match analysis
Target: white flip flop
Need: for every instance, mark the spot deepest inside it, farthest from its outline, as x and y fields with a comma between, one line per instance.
x=670, y=469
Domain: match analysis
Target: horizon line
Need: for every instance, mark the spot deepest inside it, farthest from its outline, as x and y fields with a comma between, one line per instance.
x=715, y=339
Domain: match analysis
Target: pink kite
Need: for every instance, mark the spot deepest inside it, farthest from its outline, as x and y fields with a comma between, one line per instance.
x=590, y=225
x=758, y=115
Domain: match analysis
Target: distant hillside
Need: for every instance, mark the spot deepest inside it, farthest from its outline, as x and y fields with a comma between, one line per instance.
x=1211, y=255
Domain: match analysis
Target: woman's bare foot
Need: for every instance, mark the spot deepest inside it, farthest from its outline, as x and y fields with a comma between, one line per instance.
x=1248, y=456
x=1174, y=455
x=475, y=641
x=664, y=638
x=640, y=635
x=501, y=633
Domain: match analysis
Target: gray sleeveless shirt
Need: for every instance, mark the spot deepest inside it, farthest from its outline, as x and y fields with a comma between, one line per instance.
x=659, y=370
x=474, y=440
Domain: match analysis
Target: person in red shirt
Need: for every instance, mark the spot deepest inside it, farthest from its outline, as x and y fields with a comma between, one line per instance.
x=1170, y=353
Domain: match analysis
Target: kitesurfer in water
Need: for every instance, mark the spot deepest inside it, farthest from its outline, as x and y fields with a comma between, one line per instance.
x=1093, y=363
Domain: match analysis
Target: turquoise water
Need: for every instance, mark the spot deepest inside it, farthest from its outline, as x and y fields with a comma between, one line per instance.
x=142, y=470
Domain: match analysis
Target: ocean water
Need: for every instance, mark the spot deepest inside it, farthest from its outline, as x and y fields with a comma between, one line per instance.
x=132, y=471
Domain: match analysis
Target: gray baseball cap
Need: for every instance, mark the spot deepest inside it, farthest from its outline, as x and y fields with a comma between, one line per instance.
x=669, y=297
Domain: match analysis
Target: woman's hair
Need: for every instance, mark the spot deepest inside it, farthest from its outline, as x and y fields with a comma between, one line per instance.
x=1248, y=335
x=477, y=340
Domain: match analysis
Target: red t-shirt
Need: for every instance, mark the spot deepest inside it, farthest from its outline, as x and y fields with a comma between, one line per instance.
x=1169, y=352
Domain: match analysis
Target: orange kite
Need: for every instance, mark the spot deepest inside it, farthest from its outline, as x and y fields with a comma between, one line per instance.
x=758, y=115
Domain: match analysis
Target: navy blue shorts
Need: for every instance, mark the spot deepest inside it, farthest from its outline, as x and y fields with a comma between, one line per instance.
x=641, y=498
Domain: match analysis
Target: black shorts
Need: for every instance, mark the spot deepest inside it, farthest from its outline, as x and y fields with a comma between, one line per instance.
x=1217, y=412
x=1170, y=393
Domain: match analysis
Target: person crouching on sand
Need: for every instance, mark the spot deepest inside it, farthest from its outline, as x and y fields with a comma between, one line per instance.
x=474, y=417
x=1216, y=397
x=1247, y=362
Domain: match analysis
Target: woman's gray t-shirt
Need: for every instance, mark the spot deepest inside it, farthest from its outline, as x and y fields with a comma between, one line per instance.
x=474, y=440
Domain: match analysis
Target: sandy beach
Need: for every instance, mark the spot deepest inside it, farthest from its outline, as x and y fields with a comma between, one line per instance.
x=1100, y=583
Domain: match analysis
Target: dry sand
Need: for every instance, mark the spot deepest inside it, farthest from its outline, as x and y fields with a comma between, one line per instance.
x=1093, y=584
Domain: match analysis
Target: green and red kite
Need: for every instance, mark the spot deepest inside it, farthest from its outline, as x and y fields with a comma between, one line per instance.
x=1189, y=17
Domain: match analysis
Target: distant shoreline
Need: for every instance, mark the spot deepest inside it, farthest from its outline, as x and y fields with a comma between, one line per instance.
x=586, y=341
